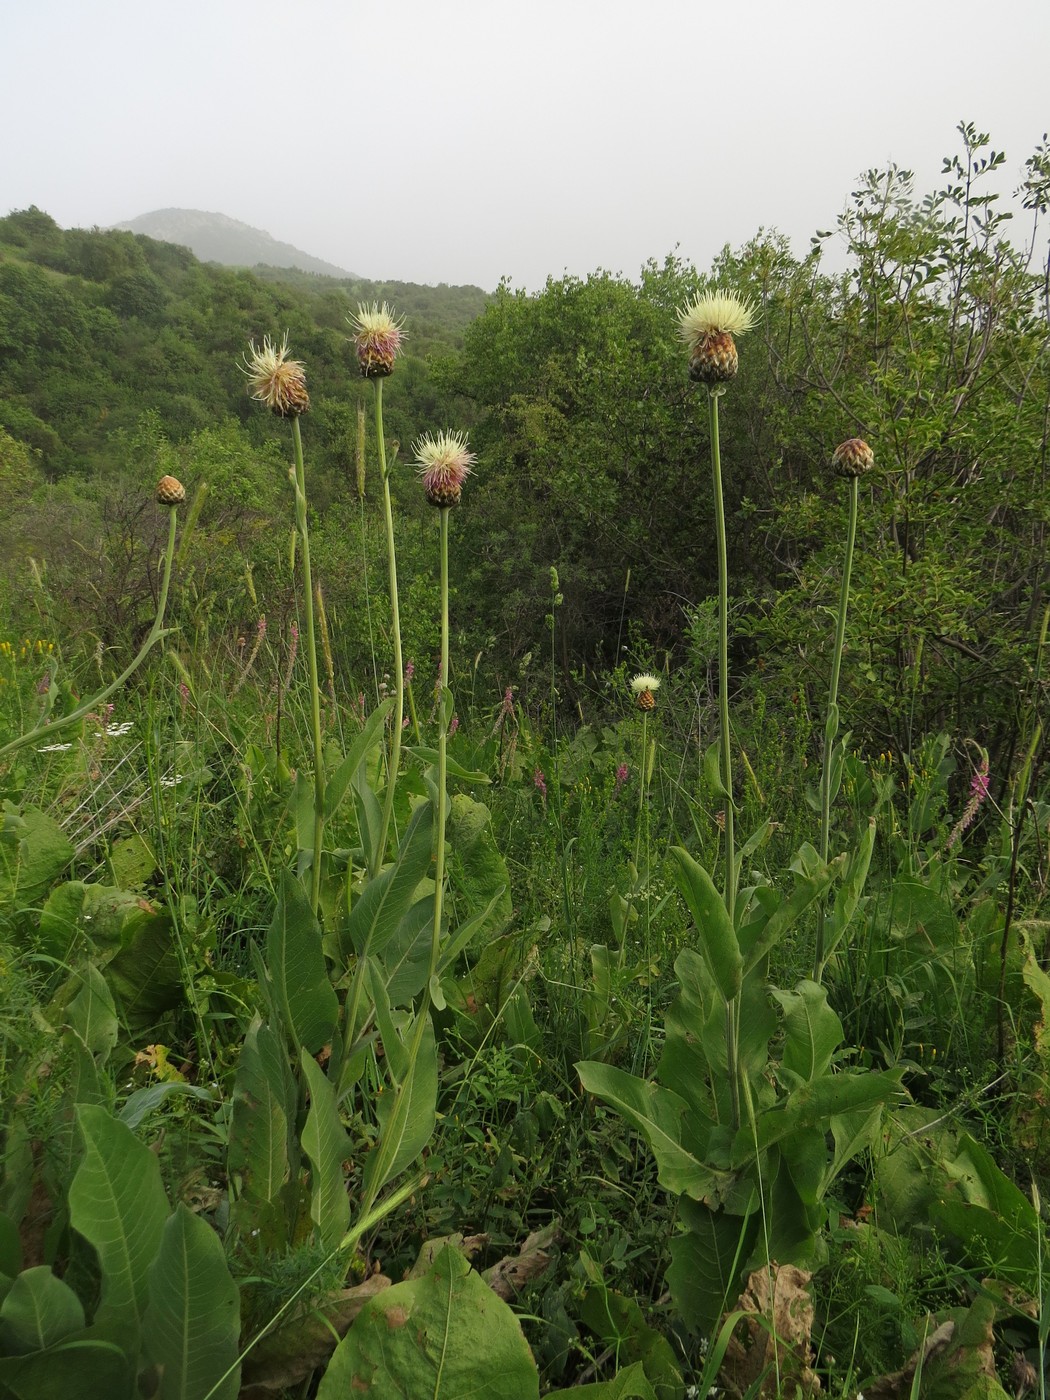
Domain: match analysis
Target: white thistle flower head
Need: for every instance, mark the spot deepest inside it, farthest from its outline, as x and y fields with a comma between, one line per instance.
x=444, y=464
x=275, y=380
x=707, y=326
x=378, y=334
x=645, y=687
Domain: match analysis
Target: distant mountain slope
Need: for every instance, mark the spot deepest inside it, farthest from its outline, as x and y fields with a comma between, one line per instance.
x=217, y=238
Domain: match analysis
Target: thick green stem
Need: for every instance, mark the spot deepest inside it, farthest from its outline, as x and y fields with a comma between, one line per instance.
x=733, y=1006
x=723, y=655
x=303, y=526
x=443, y=722
x=395, y=626
x=156, y=633
x=831, y=724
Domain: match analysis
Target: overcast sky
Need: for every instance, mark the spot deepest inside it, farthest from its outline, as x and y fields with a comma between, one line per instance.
x=465, y=140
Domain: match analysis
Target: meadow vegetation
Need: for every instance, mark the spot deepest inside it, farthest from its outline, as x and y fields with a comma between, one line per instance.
x=524, y=858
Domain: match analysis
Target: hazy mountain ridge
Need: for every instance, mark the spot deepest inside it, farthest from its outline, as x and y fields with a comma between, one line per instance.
x=218, y=238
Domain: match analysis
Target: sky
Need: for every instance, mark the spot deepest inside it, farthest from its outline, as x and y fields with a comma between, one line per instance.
x=465, y=141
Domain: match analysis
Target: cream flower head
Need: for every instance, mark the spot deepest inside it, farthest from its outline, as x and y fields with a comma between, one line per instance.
x=275, y=380
x=707, y=326
x=377, y=338
x=645, y=687
x=444, y=464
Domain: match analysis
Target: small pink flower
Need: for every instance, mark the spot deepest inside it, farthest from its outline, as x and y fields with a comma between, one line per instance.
x=453, y=725
x=410, y=671
x=539, y=782
x=621, y=778
x=979, y=784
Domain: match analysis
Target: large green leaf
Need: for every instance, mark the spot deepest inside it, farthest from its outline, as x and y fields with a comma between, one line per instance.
x=193, y=1321
x=708, y=1261
x=296, y=967
x=718, y=940
x=84, y=1367
x=477, y=870
x=34, y=850
x=629, y=1384
x=263, y=1117
x=406, y=1109
x=145, y=974
x=38, y=1312
x=335, y=788
x=388, y=897
x=92, y=1013
x=117, y=1202
x=445, y=1336
x=327, y=1145
x=812, y=1032
x=668, y=1124
x=618, y=1321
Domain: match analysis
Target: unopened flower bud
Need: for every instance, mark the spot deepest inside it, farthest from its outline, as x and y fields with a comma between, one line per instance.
x=852, y=458
x=170, y=491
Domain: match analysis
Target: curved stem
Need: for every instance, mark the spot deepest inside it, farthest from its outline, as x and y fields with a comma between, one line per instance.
x=831, y=724
x=156, y=633
x=395, y=626
x=311, y=657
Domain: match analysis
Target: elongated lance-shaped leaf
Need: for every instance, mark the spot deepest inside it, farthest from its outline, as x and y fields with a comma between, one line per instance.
x=335, y=788
x=407, y=1110
x=369, y=812
x=193, y=1321
x=327, y=1145
x=263, y=1118
x=718, y=940
x=848, y=894
x=296, y=967
x=761, y=939
x=117, y=1202
x=386, y=900
x=83, y=1367
x=38, y=1312
x=708, y=1262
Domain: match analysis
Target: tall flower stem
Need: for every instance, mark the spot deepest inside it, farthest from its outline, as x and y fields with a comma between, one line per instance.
x=303, y=526
x=831, y=724
x=395, y=626
x=156, y=633
x=732, y=1014
x=443, y=721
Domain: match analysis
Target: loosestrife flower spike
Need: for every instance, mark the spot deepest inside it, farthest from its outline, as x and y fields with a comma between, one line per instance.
x=444, y=464
x=707, y=326
x=377, y=339
x=275, y=380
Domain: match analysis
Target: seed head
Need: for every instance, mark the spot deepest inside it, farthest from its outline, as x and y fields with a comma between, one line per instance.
x=377, y=339
x=645, y=688
x=707, y=326
x=170, y=491
x=852, y=458
x=444, y=464
x=275, y=380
